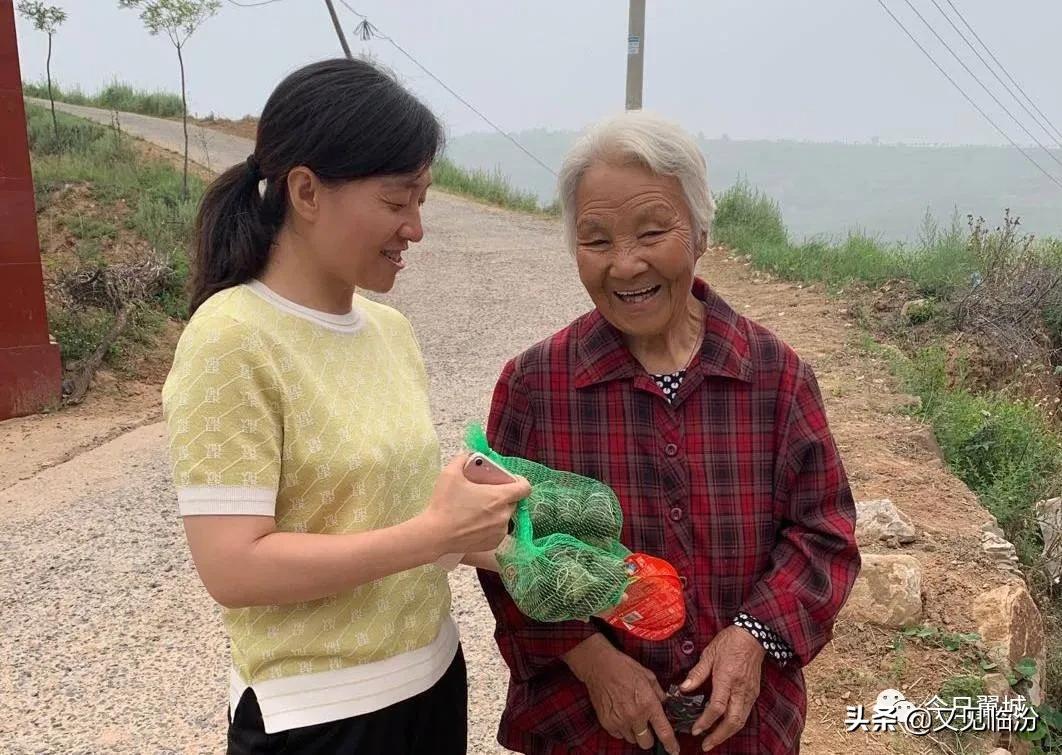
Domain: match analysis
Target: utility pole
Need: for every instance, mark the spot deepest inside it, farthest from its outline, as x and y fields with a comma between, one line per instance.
x=635, y=54
x=339, y=29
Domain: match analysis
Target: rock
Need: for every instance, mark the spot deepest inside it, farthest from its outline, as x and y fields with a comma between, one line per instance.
x=993, y=544
x=881, y=520
x=926, y=441
x=888, y=592
x=1001, y=551
x=996, y=685
x=1011, y=628
x=1000, y=751
x=1049, y=516
x=993, y=526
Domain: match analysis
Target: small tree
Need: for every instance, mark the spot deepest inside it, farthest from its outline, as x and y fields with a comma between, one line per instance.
x=178, y=19
x=46, y=18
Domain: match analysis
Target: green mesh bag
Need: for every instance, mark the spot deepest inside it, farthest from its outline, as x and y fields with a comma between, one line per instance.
x=563, y=559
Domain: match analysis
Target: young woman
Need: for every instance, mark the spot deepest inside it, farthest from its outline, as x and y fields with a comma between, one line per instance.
x=305, y=458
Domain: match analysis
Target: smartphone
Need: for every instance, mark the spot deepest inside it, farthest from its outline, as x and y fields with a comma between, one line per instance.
x=481, y=470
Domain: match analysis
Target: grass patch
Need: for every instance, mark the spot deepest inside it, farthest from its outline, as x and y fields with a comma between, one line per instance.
x=968, y=686
x=90, y=153
x=114, y=96
x=491, y=187
x=951, y=641
x=79, y=331
x=130, y=194
x=751, y=222
x=747, y=219
x=1000, y=447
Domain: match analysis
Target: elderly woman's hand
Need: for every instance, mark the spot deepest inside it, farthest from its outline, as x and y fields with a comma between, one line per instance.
x=626, y=696
x=733, y=661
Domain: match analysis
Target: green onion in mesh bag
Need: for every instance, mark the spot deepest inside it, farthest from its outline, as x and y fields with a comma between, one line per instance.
x=563, y=560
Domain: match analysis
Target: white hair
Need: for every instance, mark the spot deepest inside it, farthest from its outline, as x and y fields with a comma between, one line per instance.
x=647, y=140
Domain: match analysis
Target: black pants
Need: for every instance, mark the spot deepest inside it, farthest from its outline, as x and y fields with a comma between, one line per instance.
x=435, y=722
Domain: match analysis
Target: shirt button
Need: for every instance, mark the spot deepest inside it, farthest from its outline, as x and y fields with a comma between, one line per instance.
x=676, y=514
x=670, y=449
x=688, y=647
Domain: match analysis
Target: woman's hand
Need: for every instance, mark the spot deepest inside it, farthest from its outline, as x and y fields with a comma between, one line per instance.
x=486, y=560
x=471, y=517
x=626, y=696
x=733, y=661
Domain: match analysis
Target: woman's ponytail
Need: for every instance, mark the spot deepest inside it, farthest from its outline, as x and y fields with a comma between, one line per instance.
x=233, y=233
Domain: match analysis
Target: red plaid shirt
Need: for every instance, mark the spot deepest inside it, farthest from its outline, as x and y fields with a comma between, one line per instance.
x=737, y=483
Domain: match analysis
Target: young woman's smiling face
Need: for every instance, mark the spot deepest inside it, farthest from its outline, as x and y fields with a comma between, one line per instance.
x=364, y=226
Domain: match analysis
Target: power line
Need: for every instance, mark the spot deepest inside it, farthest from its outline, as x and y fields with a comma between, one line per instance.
x=1001, y=67
x=252, y=5
x=367, y=31
x=968, y=98
x=990, y=93
x=992, y=71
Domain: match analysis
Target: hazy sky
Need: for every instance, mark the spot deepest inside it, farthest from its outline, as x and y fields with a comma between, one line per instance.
x=803, y=69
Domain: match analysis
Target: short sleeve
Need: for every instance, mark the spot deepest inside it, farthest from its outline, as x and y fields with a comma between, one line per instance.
x=222, y=407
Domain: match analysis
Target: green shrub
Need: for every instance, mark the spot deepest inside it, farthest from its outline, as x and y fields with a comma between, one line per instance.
x=491, y=187
x=156, y=211
x=1002, y=448
x=79, y=332
x=114, y=96
x=745, y=216
x=120, y=96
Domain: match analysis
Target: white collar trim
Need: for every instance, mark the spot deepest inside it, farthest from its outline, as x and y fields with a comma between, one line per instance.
x=350, y=322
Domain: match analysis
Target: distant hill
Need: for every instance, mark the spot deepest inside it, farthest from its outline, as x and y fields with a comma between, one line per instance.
x=830, y=189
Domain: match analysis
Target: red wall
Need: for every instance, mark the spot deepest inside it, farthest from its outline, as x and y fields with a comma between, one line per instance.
x=30, y=370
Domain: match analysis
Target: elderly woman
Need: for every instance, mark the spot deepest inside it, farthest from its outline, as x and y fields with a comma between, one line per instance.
x=713, y=434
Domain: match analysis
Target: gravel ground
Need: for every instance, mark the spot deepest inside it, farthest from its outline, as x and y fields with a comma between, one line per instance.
x=109, y=642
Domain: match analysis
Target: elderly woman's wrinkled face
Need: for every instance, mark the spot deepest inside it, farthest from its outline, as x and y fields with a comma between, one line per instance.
x=635, y=247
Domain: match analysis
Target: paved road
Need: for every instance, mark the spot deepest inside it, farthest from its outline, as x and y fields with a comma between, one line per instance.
x=109, y=643
x=211, y=149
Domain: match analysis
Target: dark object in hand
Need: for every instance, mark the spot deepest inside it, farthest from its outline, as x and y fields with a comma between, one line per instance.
x=682, y=710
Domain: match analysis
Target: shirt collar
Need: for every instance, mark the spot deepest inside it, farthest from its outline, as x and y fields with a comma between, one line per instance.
x=602, y=356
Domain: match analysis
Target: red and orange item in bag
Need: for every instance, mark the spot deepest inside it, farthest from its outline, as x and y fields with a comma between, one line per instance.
x=653, y=606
